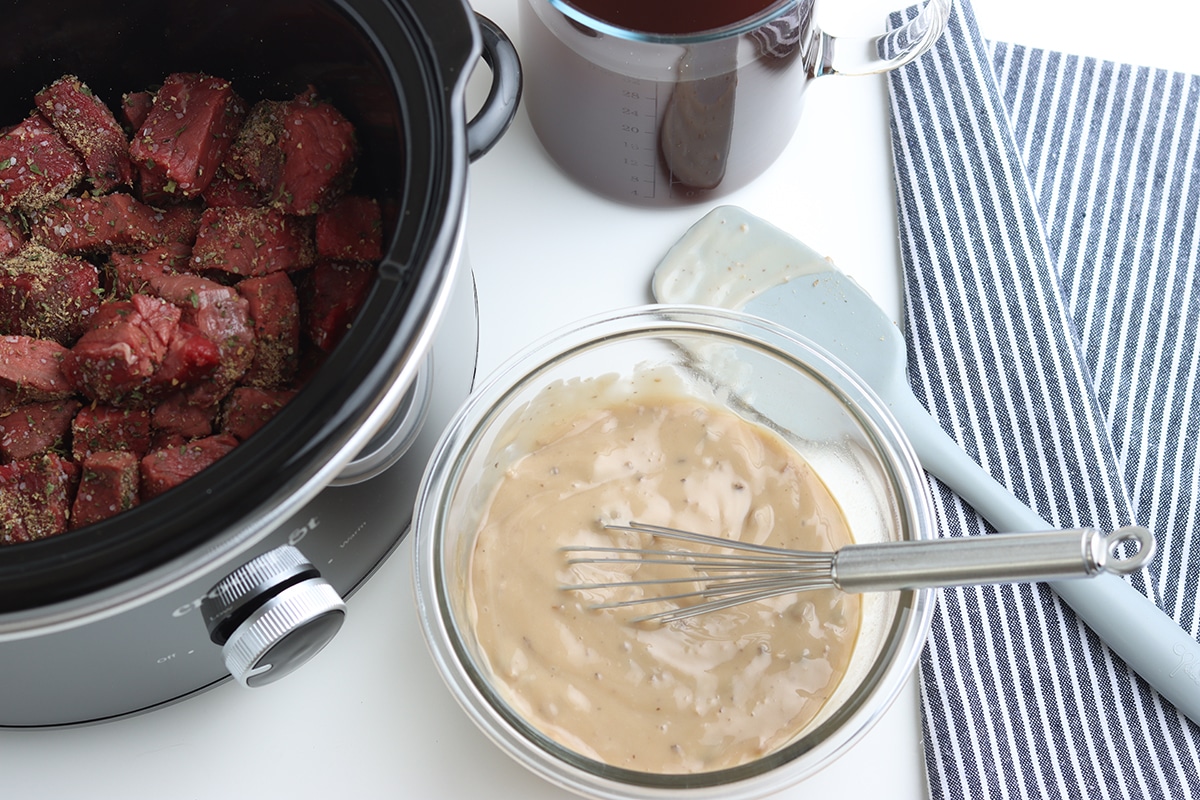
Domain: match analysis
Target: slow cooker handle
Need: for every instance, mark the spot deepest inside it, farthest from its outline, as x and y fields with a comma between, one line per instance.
x=500, y=107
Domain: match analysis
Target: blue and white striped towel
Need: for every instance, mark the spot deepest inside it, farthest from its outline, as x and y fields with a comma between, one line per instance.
x=1051, y=249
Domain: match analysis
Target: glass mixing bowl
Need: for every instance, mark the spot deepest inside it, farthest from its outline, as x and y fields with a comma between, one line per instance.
x=754, y=368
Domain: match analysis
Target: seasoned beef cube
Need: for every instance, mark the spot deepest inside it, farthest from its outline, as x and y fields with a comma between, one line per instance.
x=275, y=312
x=165, y=439
x=114, y=360
x=175, y=224
x=247, y=409
x=152, y=188
x=34, y=428
x=33, y=368
x=138, y=350
x=93, y=224
x=334, y=293
x=35, y=498
x=256, y=155
x=36, y=166
x=112, y=223
x=12, y=235
x=9, y=399
x=135, y=107
x=223, y=316
x=98, y=428
x=131, y=272
x=319, y=150
x=251, y=241
x=89, y=126
x=175, y=414
x=108, y=484
x=190, y=359
x=300, y=153
x=226, y=191
x=351, y=230
x=47, y=295
x=188, y=131
x=170, y=466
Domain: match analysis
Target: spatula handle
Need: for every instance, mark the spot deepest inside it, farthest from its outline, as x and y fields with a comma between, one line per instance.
x=1137, y=630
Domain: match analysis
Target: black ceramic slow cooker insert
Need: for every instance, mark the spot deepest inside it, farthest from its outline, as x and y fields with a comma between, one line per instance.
x=397, y=69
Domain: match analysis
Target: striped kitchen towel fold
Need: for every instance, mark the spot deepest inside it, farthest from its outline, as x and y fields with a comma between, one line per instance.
x=1048, y=217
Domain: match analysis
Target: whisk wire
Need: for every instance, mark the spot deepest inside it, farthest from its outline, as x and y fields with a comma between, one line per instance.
x=716, y=597
x=704, y=538
x=753, y=572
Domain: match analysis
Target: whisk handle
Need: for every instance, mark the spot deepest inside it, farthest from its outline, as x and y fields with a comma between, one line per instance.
x=997, y=558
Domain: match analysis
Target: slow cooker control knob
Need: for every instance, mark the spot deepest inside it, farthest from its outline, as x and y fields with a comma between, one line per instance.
x=271, y=615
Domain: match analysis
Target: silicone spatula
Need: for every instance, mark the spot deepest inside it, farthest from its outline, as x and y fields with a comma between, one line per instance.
x=733, y=259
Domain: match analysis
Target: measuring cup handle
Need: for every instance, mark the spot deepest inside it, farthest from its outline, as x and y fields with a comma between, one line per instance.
x=842, y=55
x=500, y=107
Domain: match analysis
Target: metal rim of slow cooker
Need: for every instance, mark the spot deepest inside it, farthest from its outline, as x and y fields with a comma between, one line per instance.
x=294, y=446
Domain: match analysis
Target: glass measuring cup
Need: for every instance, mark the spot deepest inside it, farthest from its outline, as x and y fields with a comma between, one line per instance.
x=654, y=118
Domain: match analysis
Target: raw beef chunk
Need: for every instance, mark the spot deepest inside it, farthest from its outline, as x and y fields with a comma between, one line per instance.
x=35, y=498
x=168, y=467
x=155, y=189
x=34, y=428
x=36, y=166
x=188, y=131
x=135, y=107
x=138, y=349
x=319, y=150
x=108, y=484
x=177, y=415
x=223, y=317
x=88, y=125
x=299, y=153
x=172, y=271
x=113, y=361
x=226, y=191
x=275, y=313
x=247, y=409
x=350, y=231
x=111, y=223
x=47, y=295
x=12, y=234
x=32, y=369
x=131, y=273
x=251, y=242
x=93, y=224
x=191, y=358
x=256, y=155
x=175, y=224
x=334, y=294
x=97, y=428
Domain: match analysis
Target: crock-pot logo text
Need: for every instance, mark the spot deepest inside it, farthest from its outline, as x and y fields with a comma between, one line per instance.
x=293, y=538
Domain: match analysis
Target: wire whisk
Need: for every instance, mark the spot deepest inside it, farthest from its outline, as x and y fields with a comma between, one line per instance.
x=743, y=572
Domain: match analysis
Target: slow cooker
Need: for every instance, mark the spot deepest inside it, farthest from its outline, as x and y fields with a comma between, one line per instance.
x=243, y=569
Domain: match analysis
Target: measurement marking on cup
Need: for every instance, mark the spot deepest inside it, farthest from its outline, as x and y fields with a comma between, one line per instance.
x=639, y=113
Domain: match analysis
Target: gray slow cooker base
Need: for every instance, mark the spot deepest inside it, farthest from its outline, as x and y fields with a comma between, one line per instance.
x=160, y=653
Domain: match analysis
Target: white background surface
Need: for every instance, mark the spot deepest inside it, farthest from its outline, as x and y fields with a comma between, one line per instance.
x=369, y=717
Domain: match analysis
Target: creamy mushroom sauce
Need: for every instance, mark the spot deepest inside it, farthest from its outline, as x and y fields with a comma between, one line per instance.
x=697, y=695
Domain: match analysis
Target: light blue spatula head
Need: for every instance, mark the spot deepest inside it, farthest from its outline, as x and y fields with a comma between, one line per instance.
x=735, y=260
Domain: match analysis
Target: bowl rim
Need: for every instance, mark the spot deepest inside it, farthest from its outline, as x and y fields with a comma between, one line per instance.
x=904, y=640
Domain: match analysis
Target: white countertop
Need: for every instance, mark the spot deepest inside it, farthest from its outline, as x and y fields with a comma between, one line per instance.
x=369, y=717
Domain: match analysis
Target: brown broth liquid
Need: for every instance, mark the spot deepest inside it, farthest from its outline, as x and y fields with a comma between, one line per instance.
x=671, y=16
x=710, y=124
